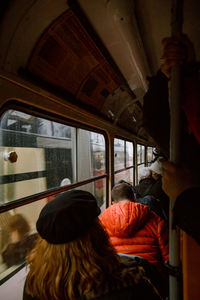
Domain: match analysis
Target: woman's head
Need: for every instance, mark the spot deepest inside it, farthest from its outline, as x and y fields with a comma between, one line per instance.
x=71, y=269
x=67, y=217
x=74, y=255
x=17, y=223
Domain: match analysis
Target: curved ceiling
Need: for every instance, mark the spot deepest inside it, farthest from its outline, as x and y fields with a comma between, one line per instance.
x=93, y=53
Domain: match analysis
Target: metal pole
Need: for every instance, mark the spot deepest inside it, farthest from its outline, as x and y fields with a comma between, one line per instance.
x=175, y=145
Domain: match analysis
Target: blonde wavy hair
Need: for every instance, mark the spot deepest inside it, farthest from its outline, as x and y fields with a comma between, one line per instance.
x=81, y=267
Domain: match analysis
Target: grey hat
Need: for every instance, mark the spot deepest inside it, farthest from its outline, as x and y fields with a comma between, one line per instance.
x=67, y=217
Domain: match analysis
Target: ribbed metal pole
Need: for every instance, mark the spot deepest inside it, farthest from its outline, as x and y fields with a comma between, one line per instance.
x=175, y=146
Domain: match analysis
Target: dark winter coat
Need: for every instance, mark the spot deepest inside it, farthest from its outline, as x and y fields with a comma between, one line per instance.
x=157, y=191
x=134, y=287
x=187, y=212
x=142, y=196
x=144, y=186
x=153, y=204
x=156, y=121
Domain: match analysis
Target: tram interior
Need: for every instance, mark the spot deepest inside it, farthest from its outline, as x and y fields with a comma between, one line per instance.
x=94, y=54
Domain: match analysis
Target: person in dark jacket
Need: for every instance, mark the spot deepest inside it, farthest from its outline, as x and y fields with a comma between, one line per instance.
x=153, y=204
x=74, y=259
x=146, y=182
x=178, y=50
x=179, y=184
x=156, y=189
x=148, y=200
x=156, y=115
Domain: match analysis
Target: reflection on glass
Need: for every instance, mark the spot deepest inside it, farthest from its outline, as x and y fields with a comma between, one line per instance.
x=129, y=154
x=119, y=158
x=98, y=189
x=46, y=154
x=140, y=154
x=126, y=175
x=17, y=235
x=91, y=154
x=150, y=155
x=17, y=228
x=140, y=167
x=21, y=240
x=20, y=122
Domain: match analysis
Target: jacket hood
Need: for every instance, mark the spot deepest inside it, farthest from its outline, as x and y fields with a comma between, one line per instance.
x=125, y=219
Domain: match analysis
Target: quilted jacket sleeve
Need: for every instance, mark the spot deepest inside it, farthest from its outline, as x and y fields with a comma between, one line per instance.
x=163, y=239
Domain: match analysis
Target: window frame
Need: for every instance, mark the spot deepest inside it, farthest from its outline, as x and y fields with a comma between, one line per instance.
x=13, y=105
x=125, y=167
x=149, y=162
x=143, y=162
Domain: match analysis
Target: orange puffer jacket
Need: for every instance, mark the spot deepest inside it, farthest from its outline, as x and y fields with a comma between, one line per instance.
x=135, y=229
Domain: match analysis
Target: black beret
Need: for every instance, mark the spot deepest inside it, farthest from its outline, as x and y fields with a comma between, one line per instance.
x=67, y=217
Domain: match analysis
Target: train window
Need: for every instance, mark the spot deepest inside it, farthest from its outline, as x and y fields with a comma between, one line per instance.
x=125, y=175
x=17, y=236
x=140, y=156
x=37, y=154
x=129, y=154
x=91, y=149
x=98, y=189
x=119, y=148
x=123, y=160
x=150, y=155
x=40, y=154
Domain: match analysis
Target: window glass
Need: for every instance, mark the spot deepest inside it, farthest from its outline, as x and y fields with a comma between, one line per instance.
x=91, y=154
x=119, y=159
x=40, y=154
x=140, y=154
x=17, y=235
x=126, y=175
x=150, y=155
x=141, y=166
x=129, y=154
x=98, y=189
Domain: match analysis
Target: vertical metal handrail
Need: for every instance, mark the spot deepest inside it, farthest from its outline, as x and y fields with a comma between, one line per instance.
x=175, y=147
